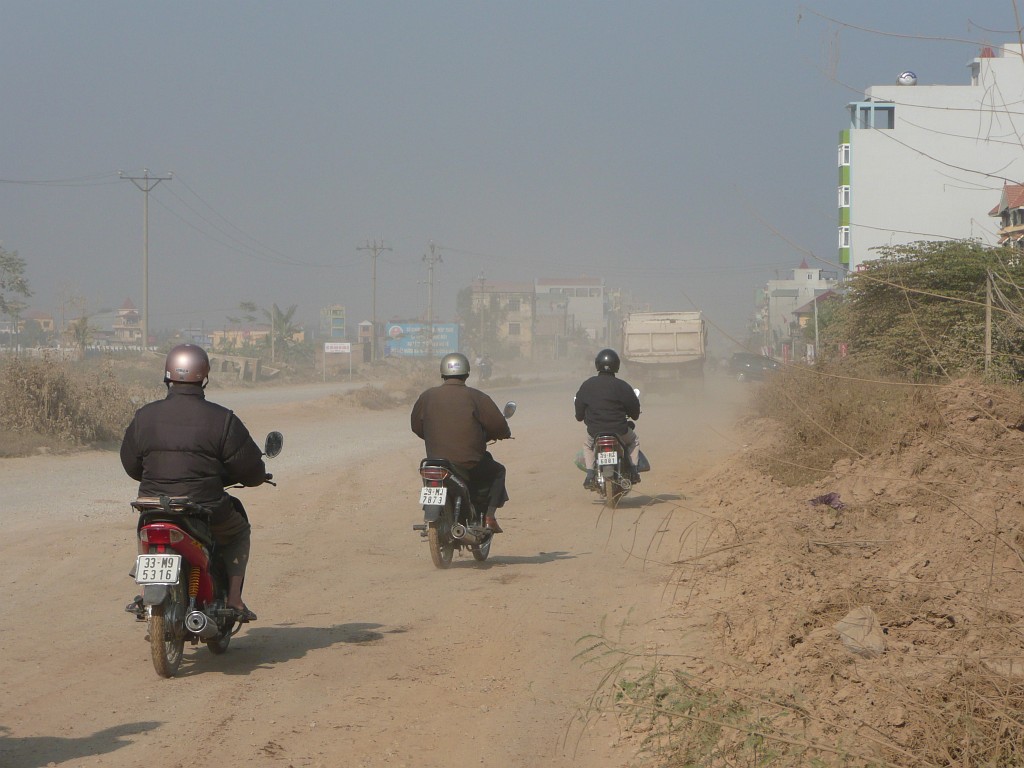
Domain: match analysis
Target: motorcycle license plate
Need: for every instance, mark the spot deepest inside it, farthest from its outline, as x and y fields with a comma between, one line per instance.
x=433, y=497
x=607, y=457
x=157, y=569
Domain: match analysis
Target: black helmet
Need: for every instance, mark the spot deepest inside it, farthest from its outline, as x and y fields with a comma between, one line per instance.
x=187, y=363
x=454, y=364
x=607, y=361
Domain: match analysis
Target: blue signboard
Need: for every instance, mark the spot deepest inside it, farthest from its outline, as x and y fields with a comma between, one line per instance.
x=412, y=340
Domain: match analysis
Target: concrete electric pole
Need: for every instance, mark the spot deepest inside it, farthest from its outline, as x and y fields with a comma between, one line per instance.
x=145, y=182
x=432, y=258
x=375, y=251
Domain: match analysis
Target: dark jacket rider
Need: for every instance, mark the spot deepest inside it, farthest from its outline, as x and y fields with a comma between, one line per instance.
x=185, y=445
x=605, y=404
x=455, y=423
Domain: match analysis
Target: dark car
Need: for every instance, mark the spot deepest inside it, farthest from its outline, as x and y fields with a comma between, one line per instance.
x=747, y=366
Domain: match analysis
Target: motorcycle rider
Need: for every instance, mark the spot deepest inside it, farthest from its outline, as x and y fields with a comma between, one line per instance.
x=185, y=445
x=605, y=404
x=455, y=423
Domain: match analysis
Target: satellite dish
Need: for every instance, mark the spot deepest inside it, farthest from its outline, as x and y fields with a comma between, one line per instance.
x=907, y=78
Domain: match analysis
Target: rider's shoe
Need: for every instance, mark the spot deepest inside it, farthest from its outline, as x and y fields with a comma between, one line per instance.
x=492, y=523
x=137, y=607
x=590, y=481
x=243, y=615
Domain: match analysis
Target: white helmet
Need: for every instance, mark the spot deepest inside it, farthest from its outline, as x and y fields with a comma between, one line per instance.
x=454, y=364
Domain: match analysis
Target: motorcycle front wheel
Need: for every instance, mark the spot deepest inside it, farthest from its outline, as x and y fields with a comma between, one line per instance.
x=439, y=535
x=167, y=630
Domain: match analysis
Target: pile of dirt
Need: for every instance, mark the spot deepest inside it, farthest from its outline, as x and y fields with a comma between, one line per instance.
x=920, y=550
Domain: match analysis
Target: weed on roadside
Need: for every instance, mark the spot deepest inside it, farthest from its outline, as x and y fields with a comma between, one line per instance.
x=48, y=405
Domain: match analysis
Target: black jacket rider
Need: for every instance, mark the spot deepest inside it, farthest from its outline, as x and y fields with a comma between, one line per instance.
x=604, y=403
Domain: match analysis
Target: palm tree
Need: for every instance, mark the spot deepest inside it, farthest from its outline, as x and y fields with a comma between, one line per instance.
x=282, y=330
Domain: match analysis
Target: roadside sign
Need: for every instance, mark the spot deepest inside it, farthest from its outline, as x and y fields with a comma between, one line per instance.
x=338, y=348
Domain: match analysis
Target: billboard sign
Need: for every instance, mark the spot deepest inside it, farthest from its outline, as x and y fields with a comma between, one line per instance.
x=412, y=340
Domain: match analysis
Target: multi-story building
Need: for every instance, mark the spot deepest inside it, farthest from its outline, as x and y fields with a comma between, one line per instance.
x=1010, y=211
x=782, y=300
x=504, y=312
x=584, y=299
x=128, y=324
x=923, y=162
x=332, y=322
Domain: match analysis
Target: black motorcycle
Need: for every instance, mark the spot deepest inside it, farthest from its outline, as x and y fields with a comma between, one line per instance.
x=614, y=472
x=453, y=513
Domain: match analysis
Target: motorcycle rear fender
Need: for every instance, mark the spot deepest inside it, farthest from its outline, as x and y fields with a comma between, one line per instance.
x=154, y=594
x=432, y=513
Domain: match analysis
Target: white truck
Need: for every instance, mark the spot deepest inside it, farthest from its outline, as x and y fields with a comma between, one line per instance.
x=662, y=347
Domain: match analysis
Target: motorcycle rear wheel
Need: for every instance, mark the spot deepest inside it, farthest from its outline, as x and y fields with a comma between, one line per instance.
x=481, y=551
x=167, y=631
x=439, y=536
x=220, y=643
x=613, y=491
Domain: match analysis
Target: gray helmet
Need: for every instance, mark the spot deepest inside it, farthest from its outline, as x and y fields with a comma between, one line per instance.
x=187, y=363
x=607, y=360
x=454, y=364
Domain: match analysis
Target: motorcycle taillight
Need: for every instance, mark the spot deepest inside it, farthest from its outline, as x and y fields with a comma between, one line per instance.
x=436, y=474
x=152, y=535
x=607, y=444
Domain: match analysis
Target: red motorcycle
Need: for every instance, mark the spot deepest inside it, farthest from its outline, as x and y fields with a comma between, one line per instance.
x=185, y=584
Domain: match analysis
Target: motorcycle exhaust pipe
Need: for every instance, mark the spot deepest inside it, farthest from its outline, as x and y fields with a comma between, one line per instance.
x=463, y=535
x=199, y=624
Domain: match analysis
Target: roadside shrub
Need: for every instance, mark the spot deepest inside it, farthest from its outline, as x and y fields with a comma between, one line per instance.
x=832, y=411
x=46, y=402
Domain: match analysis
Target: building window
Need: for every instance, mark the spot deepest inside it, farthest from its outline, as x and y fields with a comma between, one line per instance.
x=870, y=114
x=844, y=237
x=513, y=305
x=513, y=329
x=844, y=154
x=844, y=196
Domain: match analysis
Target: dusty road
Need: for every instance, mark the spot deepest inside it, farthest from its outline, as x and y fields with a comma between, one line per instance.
x=364, y=655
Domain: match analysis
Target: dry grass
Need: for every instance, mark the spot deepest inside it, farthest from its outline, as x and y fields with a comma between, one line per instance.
x=836, y=412
x=49, y=405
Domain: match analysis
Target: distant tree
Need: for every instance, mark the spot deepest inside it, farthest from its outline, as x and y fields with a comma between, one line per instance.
x=33, y=335
x=81, y=332
x=919, y=310
x=12, y=282
x=481, y=322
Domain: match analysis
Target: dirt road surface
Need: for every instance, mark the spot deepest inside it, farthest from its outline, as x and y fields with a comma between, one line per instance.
x=364, y=654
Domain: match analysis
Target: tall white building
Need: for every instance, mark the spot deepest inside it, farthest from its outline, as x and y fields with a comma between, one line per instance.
x=784, y=297
x=925, y=162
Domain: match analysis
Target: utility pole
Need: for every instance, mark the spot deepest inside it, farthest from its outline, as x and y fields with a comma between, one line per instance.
x=988, y=321
x=375, y=250
x=432, y=258
x=483, y=307
x=145, y=182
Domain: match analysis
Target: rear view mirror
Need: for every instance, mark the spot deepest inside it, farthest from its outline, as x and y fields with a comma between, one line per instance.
x=509, y=409
x=273, y=444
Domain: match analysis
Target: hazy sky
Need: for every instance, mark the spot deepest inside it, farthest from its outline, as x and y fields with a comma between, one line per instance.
x=685, y=152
